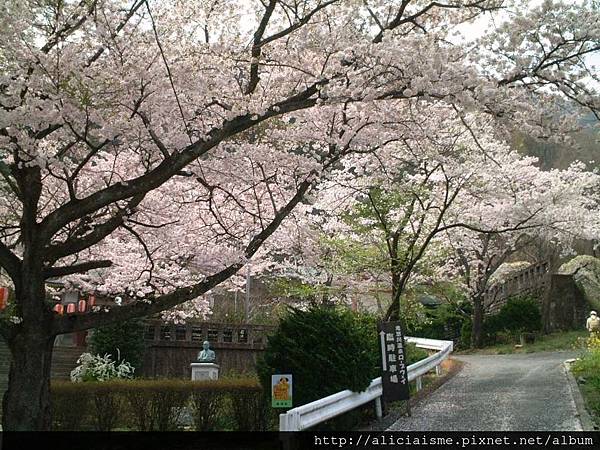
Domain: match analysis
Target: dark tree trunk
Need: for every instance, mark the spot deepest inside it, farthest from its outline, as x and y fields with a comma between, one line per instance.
x=26, y=403
x=477, y=329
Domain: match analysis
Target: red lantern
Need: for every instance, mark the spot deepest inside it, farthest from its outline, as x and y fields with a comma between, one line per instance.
x=3, y=297
x=70, y=308
x=91, y=300
x=59, y=309
x=81, y=306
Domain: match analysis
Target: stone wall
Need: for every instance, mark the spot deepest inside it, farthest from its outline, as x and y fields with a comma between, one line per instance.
x=533, y=281
x=562, y=304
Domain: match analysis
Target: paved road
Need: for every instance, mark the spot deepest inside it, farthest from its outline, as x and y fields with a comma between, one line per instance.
x=525, y=392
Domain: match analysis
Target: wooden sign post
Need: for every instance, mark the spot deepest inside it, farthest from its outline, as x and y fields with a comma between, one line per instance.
x=394, y=373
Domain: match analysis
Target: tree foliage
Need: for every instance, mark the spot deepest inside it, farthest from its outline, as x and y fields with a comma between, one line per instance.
x=123, y=342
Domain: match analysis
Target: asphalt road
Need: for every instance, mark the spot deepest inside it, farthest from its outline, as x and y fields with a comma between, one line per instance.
x=525, y=392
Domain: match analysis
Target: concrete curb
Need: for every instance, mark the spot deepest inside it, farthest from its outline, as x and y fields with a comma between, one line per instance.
x=587, y=424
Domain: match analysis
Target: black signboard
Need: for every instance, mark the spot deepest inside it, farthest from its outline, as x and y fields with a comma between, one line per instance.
x=393, y=361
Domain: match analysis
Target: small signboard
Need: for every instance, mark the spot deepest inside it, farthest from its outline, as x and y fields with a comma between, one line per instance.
x=281, y=391
x=394, y=372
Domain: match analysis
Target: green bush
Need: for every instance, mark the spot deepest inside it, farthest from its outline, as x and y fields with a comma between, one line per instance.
x=517, y=315
x=122, y=341
x=466, y=333
x=446, y=321
x=70, y=404
x=108, y=404
x=326, y=349
x=588, y=368
x=158, y=405
x=250, y=409
x=414, y=354
x=206, y=409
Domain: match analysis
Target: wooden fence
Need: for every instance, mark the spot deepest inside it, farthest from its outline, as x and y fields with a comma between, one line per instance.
x=170, y=348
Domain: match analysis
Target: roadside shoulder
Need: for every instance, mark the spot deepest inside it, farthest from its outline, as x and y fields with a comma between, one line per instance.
x=397, y=413
x=587, y=424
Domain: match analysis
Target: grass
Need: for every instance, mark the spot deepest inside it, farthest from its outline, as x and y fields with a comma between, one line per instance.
x=591, y=395
x=587, y=372
x=569, y=340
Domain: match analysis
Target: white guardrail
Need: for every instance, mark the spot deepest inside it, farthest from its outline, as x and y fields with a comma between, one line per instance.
x=308, y=415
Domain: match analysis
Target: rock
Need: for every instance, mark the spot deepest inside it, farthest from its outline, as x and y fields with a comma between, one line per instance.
x=586, y=273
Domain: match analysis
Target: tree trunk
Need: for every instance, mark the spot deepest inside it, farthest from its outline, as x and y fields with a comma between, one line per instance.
x=26, y=403
x=477, y=329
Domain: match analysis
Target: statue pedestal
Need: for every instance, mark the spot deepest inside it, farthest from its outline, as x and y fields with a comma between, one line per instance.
x=204, y=371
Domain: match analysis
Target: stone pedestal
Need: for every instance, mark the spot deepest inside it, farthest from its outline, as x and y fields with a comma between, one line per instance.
x=204, y=371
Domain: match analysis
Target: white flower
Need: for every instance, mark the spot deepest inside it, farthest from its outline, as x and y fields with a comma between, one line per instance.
x=100, y=368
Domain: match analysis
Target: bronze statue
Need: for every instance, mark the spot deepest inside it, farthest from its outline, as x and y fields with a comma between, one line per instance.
x=206, y=355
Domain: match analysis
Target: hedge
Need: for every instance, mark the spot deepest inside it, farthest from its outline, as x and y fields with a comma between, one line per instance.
x=517, y=315
x=160, y=405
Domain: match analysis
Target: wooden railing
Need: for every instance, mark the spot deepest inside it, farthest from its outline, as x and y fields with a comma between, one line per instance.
x=219, y=335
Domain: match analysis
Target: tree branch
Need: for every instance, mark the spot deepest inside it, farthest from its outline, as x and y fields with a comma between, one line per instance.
x=61, y=271
x=67, y=324
x=9, y=261
x=169, y=167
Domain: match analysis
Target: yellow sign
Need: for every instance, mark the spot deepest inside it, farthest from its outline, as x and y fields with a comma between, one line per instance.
x=281, y=391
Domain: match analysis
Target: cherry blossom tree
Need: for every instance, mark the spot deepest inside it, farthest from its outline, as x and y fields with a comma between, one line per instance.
x=555, y=206
x=149, y=149
x=388, y=207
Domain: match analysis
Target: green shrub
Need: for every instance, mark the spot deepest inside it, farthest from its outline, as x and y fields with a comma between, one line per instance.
x=69, y=406
x=158, y=405
x=206, y=407
x=588, y=366
x=517, y=315
x=521, y=314
x=107, y=404
x=414, y=354
x=446, y=321
x=122, y=341
x=466, y=333
x=326, y=349
x=250, y=409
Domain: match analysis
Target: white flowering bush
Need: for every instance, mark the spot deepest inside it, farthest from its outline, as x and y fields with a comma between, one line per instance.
x=100, y=368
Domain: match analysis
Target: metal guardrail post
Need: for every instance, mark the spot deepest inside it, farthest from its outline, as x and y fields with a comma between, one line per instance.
x=438, y=370
x=378, y=408
x=419, y=381
x=283, y=422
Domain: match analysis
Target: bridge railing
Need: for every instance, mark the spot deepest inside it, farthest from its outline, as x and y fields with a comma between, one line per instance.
x=311, y=414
